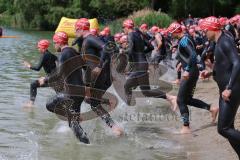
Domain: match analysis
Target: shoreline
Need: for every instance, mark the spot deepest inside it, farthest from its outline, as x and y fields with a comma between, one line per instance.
x=205, y=143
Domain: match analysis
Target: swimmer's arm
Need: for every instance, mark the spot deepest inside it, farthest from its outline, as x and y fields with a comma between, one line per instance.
x=39, y=65
x=192, y=55
x=99, y=46
x=60, y=70
x=230, y=50
x=159, y=41
x=129, y=49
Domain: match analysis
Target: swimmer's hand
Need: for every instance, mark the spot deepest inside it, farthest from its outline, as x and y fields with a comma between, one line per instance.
x=185, y=75
x=96, y=71
x=206, y=74
x=179, y=66
x=41, y=80
x=26, y=64
x=226, y=94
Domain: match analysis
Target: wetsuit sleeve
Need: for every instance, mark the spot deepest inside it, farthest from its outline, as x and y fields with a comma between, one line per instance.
x=75, y=41
x=59, y=74
x=185, y=43
x=39, y=65
x=129, y=49
x=96, y=43
x=230, y=50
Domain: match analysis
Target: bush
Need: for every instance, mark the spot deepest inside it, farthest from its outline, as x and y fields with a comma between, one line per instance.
x=147, y=16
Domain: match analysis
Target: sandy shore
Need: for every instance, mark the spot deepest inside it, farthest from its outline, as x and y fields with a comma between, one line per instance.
x=205, y=143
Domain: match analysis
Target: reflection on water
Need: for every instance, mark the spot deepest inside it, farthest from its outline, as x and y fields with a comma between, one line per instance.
x=37, y=134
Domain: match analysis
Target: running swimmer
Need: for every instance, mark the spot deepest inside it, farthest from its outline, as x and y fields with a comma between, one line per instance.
x=226, y=73
x=97, y=72
x=188, y=58
x=67, y=102
x=47, y=62
x=138, y=76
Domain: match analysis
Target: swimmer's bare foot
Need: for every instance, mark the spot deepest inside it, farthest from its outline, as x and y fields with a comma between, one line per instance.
x=176, y=82
x=214, y=112
x=28, y=104
x=173, y=102
x=185, y=130
x=112, y=103
x=117, y=130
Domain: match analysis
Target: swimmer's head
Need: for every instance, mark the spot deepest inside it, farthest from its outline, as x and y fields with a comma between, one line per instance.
x=43, y=45
x=144, y=28
x=127, y=26
x=107, y=31
x=94, y=31
x=175, y=29
x=117, y=37
x=210, y=26
x=82, y=26
x=154, y=30
x=60, y=39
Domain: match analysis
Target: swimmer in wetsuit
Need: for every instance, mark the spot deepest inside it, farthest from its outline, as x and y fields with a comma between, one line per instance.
x=68, y=101
x=226, y=73
x=188, y=58
x=138, y=75
x=97, y=72
x=47, y=62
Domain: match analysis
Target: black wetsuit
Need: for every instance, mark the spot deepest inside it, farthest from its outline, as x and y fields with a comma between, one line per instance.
x=226, y=73
x=48, y=62
x=78, y=41
x=188, y=58
x=162, y=53
x=68, y=101
x=207, y=54
x=168, y=45
x=95, y=56
x=231, y=29
x=138, y=75
x=107, y=39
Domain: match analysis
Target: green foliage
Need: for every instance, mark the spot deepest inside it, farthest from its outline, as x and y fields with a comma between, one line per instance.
x=153, y=18
x=237, y=10
x=147, y=16
x=202, y=8
x=46, y=14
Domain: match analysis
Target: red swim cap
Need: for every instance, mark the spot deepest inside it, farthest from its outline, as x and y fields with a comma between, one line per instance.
x=144, y=27
x=103, y=33
x=175, y=28
x=43, y=44
x=82, y=24
x=128, y=23
x=234, y=19
x=60, y=38
x=154, y=29
x=211, y=24
x=223, y=21
x=107, y=30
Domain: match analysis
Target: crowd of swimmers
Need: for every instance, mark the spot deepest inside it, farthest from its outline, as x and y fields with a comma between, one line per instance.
x=202, y=48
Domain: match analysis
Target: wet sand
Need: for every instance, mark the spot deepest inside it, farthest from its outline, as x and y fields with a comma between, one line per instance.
x=205, y=143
